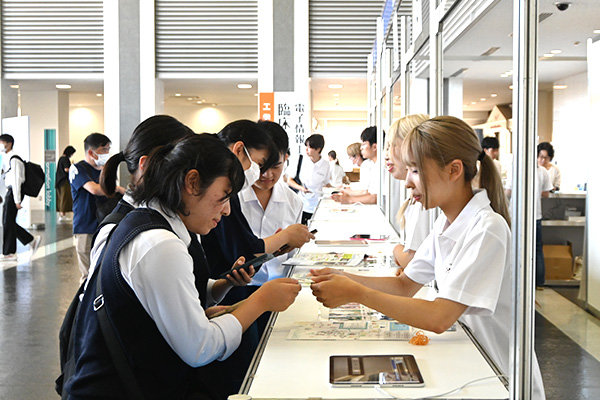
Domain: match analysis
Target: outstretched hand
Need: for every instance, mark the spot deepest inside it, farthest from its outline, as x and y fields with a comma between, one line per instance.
x=334, y=290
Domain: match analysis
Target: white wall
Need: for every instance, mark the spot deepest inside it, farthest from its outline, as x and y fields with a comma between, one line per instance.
x=82, y=122
x=571, y=130
x=210, y=119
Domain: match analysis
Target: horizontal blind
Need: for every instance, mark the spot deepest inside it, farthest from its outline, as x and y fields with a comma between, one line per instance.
x=466, y=13
x=341, y=35
x=52, y=36
x=206, y=36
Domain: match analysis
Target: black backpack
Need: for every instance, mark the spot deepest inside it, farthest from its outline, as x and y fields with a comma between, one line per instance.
x=34, y=178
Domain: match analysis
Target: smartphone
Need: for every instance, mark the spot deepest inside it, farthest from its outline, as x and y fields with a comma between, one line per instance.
x=256, y=262
x=336, y=192
x=285, y=248
x=370, y=237
x=371, y=370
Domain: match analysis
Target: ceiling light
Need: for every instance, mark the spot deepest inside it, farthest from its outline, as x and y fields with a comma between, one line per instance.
x=203, y=100
x=473, y=102
x=336, y=95
x=199, y=102
x=557, y=51
x=256, y=94
x=98, y=94
x=177, y=94
x=548, y=55
x=63, y=86
x=190, y=98
x=559, y=87
x=596, y=31
x=335, y=86
x=511, y=87
x=482, y=99
x=214, y=104
x=244, y=86
x=14, y=86
x=509, y=73
x=504, y=75
x=493, y=95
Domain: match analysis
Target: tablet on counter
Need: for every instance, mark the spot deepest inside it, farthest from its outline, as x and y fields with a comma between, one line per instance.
x=370, y=370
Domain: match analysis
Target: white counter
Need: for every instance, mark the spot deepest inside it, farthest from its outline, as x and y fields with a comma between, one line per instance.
x=292, y=369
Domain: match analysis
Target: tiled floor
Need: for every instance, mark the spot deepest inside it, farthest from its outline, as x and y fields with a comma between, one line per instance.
x=35, y=295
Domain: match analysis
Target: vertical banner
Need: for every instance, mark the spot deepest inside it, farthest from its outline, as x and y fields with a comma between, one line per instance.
x=266, y=105
x=50, y=169
x=291, y=114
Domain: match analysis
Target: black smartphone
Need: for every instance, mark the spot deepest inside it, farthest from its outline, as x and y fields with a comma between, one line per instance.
x=285, y=248
x=336, y=192
x=361, y=236
x=256, y=262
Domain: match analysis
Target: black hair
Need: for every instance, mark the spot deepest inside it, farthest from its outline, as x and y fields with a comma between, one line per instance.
x=5, y=137
x=153, y=132
x=369, y=135
x=315, y=141
x=95, y=140
x=490, y=142
x=69, y=151
x=542, y=146
x=164, y=177
x=280, y=140
x=252, y=135
x=332, y=154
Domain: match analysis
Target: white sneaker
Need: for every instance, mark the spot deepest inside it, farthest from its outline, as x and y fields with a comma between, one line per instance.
x=35, y=244
x=8, y=257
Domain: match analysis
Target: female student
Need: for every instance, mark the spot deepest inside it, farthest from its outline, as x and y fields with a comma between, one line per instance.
x=147, y=283
x=64, y=201
x=336, y=171
x=412, y=217
x=467, y=254
x=233, y=236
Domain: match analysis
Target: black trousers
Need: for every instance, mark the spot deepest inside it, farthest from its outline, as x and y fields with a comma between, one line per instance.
x=11, y=230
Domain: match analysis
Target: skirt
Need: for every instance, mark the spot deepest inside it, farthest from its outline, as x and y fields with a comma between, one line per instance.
x=64, y=201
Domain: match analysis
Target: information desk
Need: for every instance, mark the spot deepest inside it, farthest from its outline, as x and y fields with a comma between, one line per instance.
x=294, y=369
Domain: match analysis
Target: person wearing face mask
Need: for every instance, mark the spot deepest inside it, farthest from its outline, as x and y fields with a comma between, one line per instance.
x=13, y=171
x=87, y=194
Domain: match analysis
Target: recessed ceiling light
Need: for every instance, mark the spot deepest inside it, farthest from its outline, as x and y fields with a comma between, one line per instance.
x=63, y=86
x=199, y=102
x=493, y=95
x=559, y=87
x=203, y=100
x=177, y=94
x=511, y=87
x=98, y=94
x=557, y=51
x=244, y=86
x=335, y=86
x=256, y=94
x=548, y=55
x=14, y=86
x=190, y=98
x=214, y=104
x=473, y=102
x=482, y=99
x=596, y=31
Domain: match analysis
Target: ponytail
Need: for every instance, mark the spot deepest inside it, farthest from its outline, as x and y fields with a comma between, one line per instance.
x=489, y=179
x=400, y=217
x=108, y=176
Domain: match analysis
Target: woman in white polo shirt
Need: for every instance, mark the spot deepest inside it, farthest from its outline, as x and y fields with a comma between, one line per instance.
x=467, y=254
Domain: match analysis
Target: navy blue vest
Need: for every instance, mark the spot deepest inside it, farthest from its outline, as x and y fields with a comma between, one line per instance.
x=160, y=372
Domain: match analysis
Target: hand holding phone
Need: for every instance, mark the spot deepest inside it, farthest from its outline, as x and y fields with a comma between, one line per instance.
x=287, y=248
x=256, y=263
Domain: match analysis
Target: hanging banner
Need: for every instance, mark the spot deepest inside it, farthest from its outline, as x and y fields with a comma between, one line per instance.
x=50, y=169
x=290, y=110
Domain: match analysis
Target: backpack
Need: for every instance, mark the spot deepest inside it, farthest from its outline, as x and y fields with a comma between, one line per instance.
x=34, y=178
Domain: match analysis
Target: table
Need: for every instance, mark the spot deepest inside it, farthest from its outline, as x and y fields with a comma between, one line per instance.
x=291, y=369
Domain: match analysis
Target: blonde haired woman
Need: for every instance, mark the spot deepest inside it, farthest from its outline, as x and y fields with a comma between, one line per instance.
x=467, y=253
x=412, y=217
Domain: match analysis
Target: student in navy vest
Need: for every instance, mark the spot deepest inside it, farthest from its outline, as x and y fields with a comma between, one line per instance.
x=149, y=288
x=86, y=192
x=156, y=131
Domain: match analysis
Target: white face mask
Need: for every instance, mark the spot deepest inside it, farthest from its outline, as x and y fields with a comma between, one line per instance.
x=2, y=148
x=102, y=159
x=252, y=174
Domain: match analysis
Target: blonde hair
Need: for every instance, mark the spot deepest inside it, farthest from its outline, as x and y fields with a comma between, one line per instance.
x=397, y=132
x=444, y=139
x=354, y=150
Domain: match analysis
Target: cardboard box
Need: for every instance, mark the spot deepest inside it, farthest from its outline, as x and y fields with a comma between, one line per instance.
x=559, y=261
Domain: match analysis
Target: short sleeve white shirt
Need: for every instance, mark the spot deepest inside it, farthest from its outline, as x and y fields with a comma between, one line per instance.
x=470, y=261
x=373, y=186
x=542, y=184
x=314, y=175
x=284, y=209
x=366, y=173
x=416, y=226
x=158, y=268
x=337, y=174
x=554, y=174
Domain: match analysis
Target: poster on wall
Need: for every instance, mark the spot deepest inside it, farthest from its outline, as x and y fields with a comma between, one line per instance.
x=290, y=110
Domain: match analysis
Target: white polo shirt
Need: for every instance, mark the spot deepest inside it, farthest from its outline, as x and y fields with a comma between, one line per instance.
x=366, y=173
x=471, y=263
x=416, y=226
x=313, y=176
x=336, y=174
x=283, y=209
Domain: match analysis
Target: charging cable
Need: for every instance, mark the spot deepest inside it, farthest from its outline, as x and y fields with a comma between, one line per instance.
x=387, y=393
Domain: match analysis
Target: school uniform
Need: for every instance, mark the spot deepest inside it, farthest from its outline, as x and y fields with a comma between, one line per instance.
x=416, y=226
x=153, y=303
x=64, y=201
x=14, y=170
x=85, y=221
x=337, y=174
x=470, y=260
x=283, y=209
x=366, y=173
x=313, y=175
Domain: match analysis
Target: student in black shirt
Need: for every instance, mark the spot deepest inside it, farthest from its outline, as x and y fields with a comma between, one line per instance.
x=64, y=201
